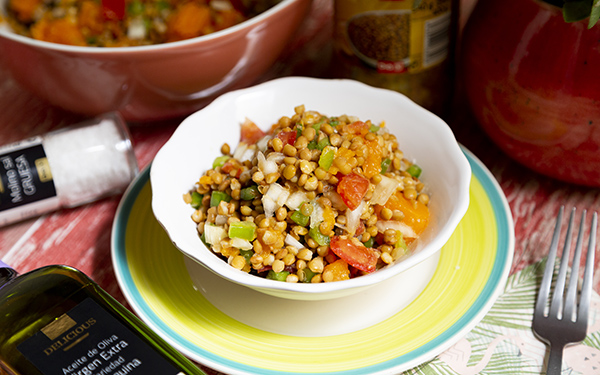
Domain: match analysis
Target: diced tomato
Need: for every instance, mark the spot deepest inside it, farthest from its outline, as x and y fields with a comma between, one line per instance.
x=356, y=128
x=288, y=138
x=358, y=256
x=230, y=166
x=361, y=228
x=251, y=133
x=114, y=10
x=352, y=188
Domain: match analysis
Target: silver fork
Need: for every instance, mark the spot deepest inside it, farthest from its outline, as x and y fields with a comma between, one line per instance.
x=565, y=322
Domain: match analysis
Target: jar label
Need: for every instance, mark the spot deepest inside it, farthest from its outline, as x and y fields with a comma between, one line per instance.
x=394, y=36
x=90, y=340
x=25, y=175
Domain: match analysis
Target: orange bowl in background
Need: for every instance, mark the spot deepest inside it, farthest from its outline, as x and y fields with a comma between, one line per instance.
x=147, y=83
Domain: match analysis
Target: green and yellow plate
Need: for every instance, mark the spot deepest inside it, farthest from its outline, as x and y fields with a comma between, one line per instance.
x=471, y=273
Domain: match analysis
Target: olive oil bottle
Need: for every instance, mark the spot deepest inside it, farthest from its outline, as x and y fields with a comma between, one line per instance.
x=56, y=320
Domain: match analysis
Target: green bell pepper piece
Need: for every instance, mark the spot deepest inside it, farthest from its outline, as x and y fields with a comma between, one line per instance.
x=326, y=158
x=279, y=276
x=217, y=196
x=299, y=218
x=242, y=229
x=318, y=237
x=220, y=160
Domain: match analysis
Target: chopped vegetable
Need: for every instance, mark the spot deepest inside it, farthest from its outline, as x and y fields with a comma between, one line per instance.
x=288, y=138
x=355, y=253
x=114, y=10
x=385, y=164
x=250, y=193
x=213, y=235
x=326, y=158
x=217, y=196
x=384, y=189
x=242, y=229
x=299, y=218
x=336, y=271
x=279, y=276
x=318, y=237
x=414, y=170
x=220, y=160
x=352, y=188
x=196, y=200
x=250, y=132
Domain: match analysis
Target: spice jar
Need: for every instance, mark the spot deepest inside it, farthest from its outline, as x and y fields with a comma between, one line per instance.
x=65, y=168
x=402, y=45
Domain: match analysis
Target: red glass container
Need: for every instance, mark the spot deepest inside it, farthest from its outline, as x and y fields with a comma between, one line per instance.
x=533, y=83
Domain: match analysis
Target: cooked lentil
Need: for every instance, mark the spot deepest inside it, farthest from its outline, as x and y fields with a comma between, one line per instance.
x=311, y=219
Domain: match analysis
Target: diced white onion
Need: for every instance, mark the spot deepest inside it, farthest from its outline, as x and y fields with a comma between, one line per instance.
x=336, y=199
x=277, y=157
x=213, y=235
x=316, y=215
x=241, y=243
x=269, y=205
x=384, y=189
x=263, y=143
x=241, y=151
x=406, y=231
x=220, y=219
x=221, y=5
x=275, y=197
x=289, y=240
x=296, y=199
x=353, y=217
x=136, y=29
x=266, y=166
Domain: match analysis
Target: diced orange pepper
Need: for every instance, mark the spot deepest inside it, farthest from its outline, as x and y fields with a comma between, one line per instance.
x=188, y=21
x=24, y=9
x=416, y=214
x=205, y=180
x=338, y=269
x=91, y=16
x=62, y=31
x=372, y=165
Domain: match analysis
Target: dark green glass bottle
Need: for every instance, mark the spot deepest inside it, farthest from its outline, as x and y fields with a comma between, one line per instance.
x=56, y=320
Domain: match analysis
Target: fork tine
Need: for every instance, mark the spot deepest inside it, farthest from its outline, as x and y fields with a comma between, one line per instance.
x=570, y=301
x=544, y=291
x=559, y=288
x=586, y=289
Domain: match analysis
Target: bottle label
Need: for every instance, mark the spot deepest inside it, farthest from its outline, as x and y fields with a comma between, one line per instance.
x=88, y=340
x=394, y=36
x=25, y=175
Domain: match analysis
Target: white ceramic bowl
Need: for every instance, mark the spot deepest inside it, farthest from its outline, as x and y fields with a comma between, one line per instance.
x=154, y=82
x=197, y=141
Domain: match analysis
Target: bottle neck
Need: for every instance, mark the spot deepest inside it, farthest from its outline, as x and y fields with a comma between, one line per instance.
x=6, y=273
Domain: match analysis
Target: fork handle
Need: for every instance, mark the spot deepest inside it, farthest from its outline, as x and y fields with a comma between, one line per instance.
x=555, y=360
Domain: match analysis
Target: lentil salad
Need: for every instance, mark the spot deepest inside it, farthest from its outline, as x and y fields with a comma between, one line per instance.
x=120, y=23
x=315, y=199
